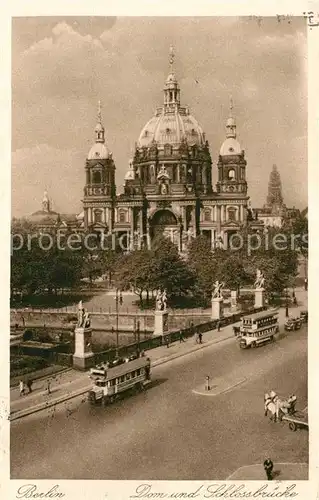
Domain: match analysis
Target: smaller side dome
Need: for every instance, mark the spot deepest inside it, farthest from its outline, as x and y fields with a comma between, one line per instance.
x=99, y=152
x=230, y=147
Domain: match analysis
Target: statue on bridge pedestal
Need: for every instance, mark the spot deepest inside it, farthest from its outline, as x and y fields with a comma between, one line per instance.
x=260, y=280
x=84, y=320
x=217, y=290
x=161, y=300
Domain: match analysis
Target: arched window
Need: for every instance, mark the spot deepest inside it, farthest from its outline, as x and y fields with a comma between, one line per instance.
x=98, y=216
x=122, y=216
x=231, y=174
x=207, y=215
x=231, y=214
x=97, y=177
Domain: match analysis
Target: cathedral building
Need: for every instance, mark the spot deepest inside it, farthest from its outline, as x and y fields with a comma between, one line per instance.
x=168, y=187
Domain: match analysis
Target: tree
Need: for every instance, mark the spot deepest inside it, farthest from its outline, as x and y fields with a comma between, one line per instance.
x=231, y=271
x=136, y=272
x=202, y=264
x=170, y=272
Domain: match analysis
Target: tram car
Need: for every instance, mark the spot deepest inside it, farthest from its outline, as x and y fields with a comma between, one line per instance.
x=109, y=382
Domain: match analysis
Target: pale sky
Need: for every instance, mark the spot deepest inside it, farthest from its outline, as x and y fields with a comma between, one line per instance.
x=61, y=67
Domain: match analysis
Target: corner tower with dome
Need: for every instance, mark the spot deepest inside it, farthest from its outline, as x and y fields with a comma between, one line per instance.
x=99, y=190
x=168, y=187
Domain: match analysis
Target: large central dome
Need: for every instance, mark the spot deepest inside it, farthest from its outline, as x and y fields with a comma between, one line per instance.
x=171, y=123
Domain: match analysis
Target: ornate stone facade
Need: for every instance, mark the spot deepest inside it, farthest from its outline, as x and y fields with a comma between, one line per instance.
x=168, y=187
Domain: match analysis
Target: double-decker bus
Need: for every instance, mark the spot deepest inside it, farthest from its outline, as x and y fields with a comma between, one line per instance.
x=258, y=328
x=110, y=382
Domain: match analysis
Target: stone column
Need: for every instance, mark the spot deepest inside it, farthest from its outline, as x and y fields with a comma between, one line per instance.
x=83, y=357
x=241, y=209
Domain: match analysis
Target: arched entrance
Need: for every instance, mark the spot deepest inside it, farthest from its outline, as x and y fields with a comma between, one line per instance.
x=165, y=223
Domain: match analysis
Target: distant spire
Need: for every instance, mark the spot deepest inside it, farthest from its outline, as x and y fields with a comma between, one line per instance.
x=171, y=58
x=274, y=198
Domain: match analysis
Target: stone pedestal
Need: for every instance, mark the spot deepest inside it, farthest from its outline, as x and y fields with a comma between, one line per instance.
x=217, y=308
x=83, y=357
x=259, y=297
x=233, y=301
x=160, y=322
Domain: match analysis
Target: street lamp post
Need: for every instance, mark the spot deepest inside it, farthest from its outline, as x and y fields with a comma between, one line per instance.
x=118, y=299
x=287, y=305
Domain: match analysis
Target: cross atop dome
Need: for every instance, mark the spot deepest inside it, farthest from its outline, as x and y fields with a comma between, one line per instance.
x=99, y=129
x=231, y=107
x=171, y=58
x=99, y=113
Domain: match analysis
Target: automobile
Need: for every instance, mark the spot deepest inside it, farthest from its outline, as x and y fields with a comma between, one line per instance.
x=292, y=324
x=304, y=316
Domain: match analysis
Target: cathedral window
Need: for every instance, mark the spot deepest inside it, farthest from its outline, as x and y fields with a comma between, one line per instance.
x=122, y=216
x=207, y=215
x=231, y=214
x=97, y=177
x=98, y=216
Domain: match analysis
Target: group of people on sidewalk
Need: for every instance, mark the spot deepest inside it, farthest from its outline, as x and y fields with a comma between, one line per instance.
x=198, y=335
x=28, y=385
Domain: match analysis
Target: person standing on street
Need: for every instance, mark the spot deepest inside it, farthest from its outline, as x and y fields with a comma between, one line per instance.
x=21, y=387
x=181, y=337
x=268, y=466
x=200, y=337
x=29, y=385
x=218, y=326
x=49, y=386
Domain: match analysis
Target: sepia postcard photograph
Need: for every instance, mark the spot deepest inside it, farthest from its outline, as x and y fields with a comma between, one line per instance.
x=159, y=258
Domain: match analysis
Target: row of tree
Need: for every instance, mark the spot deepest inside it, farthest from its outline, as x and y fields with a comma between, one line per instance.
x=160, y=267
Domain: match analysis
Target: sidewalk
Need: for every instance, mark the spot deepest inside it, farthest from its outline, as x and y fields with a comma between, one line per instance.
x=69, y=384
x=72, y=383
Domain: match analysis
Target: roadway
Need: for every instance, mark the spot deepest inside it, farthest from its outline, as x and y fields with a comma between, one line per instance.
x=169, y=432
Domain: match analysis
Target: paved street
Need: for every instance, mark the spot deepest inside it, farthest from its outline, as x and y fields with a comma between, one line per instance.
x=170, y=432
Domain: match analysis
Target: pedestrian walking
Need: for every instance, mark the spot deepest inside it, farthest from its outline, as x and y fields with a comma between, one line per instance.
x=200, y=337
x=167, y=341
x=49, y=386
x=21, y=387
x=29, y=385
x=218, y=326
x=181, y=337
x=268, y=466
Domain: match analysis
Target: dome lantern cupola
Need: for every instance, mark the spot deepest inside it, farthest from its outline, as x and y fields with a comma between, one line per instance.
x=231, y=123
x=231, y=145
x=99, y=129
x=171, y=90
x=99, y=151
x=45, y=202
